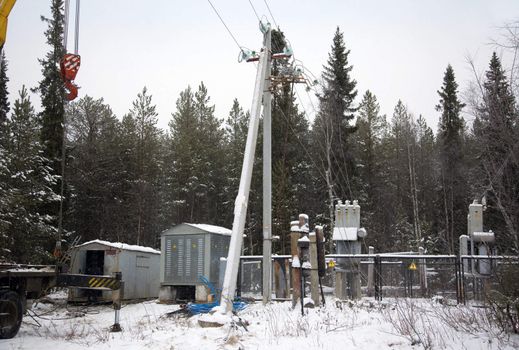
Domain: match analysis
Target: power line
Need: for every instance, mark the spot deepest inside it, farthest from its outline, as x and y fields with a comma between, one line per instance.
x=254, y=9
x=271, y=15
x=225, y=25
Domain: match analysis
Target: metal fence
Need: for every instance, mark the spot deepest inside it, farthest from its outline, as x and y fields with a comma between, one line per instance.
x=459, y=278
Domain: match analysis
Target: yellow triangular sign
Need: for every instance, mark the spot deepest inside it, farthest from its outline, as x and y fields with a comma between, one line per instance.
x=412, y=266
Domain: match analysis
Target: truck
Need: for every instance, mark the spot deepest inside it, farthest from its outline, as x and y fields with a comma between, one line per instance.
x=19, y=283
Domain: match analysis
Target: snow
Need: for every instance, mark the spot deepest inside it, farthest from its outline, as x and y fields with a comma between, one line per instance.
x=364, y=324
x=31, y=269
x=295, y=261
x=212, y=229
x=123, y=246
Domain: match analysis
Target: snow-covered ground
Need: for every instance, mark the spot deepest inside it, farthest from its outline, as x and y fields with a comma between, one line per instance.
x=392, y=324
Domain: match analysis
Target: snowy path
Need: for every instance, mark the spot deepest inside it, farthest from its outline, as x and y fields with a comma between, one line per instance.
x=365, y=325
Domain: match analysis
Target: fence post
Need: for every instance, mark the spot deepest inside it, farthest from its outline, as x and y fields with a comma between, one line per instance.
x=457, y=267
x=423, y=272
x=314, y=272
x=278, y=284
x=371, y=251
x=295, y=234
x=287, y=276
x=378, y=278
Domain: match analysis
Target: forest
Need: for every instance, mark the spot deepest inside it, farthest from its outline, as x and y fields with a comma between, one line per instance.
x=126, y=180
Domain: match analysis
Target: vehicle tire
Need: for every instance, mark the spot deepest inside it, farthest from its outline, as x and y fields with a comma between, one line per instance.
x=11, y=312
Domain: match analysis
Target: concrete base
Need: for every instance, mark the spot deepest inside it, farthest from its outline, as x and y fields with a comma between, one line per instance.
x=347, y=285
x=167, y=294
x=201, y=294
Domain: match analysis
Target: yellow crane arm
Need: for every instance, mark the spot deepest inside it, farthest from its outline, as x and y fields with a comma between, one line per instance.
x=5, y=8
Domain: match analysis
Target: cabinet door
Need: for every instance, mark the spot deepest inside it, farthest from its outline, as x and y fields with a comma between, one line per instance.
x=194, y=258
x=174, y=259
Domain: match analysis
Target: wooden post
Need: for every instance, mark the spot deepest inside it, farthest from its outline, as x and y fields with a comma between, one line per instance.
x=278, y=279
x=314, y=272
x=371, y=267
x=423, y=272
x=287, y=276
x=295, y=234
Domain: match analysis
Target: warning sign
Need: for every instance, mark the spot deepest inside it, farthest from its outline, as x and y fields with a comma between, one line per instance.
x=412, y=266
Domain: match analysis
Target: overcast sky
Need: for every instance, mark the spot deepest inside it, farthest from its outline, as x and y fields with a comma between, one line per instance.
x=399, y=48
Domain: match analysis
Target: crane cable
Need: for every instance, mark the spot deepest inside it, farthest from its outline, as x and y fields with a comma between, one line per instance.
x=70, y=63
x=69, y=66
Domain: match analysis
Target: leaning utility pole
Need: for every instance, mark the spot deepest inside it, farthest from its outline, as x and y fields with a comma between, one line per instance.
x=240, y=204
x=267, y=176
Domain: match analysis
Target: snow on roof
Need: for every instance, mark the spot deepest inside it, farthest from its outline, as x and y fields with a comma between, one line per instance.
x=122, y=246
x=212, y=229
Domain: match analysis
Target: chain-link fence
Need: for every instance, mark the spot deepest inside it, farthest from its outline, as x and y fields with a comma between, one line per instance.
x=389, y=275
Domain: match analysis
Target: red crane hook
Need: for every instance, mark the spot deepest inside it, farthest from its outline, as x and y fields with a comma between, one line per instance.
x=69, y=66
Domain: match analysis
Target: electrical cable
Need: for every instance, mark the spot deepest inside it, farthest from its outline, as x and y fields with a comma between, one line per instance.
x=254, y=9
x=271, y=15
x=225, y=25
x=195, y=309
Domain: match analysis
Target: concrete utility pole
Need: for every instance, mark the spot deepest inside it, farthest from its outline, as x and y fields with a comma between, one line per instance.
x=240, y=205
x=267, y=177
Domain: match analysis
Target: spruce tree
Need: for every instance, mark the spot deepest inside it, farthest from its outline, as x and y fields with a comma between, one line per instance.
x=51, y=88
x=4, y=93
x=371, y=128
x=332, y=130
x=31, y=186
x=5, y=253
x=453, y=185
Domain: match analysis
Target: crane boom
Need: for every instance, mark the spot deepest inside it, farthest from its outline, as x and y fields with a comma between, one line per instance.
x=5, y=8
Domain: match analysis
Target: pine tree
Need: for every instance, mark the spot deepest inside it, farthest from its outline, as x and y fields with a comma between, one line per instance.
x=426, y=165
x=236, y=130
x=497, y=130
x=406, y=224
x=196, y=175
x=210, y=167
x=236, y=126
x=180, y=172
x=147, y=139
x=450, y=143
x=95, y=170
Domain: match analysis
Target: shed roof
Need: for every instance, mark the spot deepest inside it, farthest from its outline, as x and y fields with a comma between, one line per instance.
x=122, y=246
x=187, y=228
